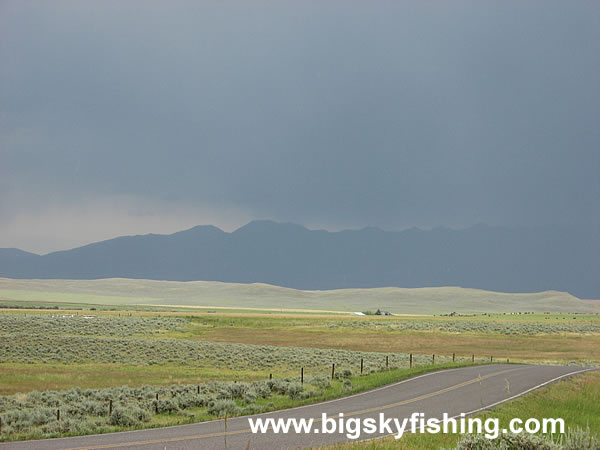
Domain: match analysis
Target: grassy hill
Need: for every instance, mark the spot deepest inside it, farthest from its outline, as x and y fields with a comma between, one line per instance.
x=435, y=300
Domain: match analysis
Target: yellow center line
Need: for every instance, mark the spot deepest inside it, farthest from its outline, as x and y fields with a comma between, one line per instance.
x=354, y=413
x=426, y=396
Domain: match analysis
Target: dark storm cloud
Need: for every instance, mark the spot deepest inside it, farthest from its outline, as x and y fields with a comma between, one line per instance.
x=326, y=113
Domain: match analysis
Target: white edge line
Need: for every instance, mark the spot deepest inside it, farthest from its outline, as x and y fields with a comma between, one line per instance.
x=525, y=392
x=484, y=408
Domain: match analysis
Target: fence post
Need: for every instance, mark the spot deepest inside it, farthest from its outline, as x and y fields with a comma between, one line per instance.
x=302, y=375
x=473, y=357
x=507, y=361
x=453, y=357
x=387, y=361
x=361, y=366
x=0, y=425
x=410, y=361
x=58, y=414
x=491, y=359
x=110, y=407
x=198, y=389
x=270, y=376
x=433, y=359
x=332, y=370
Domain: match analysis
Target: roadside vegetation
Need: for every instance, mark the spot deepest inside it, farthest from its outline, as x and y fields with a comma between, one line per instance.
x=77, y=411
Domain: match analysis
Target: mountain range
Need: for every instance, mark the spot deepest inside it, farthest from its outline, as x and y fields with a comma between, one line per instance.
x=485, y=257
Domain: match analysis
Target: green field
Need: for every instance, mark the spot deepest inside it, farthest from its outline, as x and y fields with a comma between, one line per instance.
x=135, y=293
x=156, y=374
x=61, y=349
x=76, y=343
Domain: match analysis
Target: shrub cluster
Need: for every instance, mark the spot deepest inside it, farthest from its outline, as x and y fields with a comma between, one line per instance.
x=82, y=325
x=38, y=348
x=87, y=410
x=574, y=439
x=465, y=326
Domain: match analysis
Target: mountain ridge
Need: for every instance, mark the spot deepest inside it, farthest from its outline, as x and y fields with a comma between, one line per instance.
x=486, y=257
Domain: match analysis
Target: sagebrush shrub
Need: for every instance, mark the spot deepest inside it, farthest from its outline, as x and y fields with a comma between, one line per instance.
x=579, y=439
x=294, y=389
x=220, y=408
x=320, y=382
x=123, y=417
x=165, y=406
x=522, y=441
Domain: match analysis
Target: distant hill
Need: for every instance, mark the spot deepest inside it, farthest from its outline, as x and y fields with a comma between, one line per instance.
x=484, y=257
x=212, y=294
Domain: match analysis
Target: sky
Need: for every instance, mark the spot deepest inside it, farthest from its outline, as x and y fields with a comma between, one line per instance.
x=130, y=117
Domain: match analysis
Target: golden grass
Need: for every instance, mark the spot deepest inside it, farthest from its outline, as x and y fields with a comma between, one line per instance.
x=19, y=377
x=551, y=347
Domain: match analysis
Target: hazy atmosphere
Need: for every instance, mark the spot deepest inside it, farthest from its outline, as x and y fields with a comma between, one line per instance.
x=214, y=213
x=135, y=117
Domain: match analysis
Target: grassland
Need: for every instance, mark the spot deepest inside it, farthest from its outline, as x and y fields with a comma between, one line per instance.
x=51, y=345
x=108, y=334
x=77, y=363
x=59, y=349
x=536, y=338
x=136, y=293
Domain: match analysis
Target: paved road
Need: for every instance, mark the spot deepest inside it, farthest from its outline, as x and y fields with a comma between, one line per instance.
x=454, y=391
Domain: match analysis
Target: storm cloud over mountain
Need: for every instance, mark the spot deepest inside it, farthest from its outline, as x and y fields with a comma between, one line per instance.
x=136, y=117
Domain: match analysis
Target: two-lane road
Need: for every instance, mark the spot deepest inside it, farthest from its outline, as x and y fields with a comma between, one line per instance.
x=454, y=391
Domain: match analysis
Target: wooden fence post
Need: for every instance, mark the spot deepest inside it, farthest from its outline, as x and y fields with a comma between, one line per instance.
x=58, y=414
x=433, y=359
x=270, y=376
x=491, y=359
x=410, y=361
x=198, y=389
x=332, y=370
x=302, y=375
x=110, y=407
x=473, y=357
x=453, y=357
x=361, y=366
x=387, y=361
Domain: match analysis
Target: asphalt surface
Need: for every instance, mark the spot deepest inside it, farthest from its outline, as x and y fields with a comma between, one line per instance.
x=455, y=391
